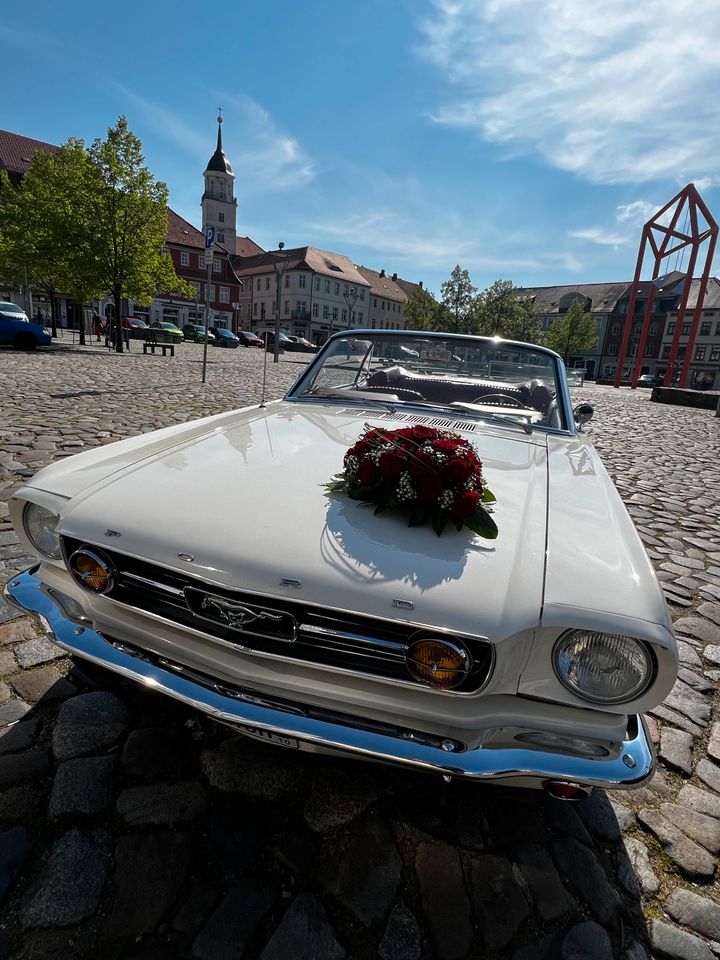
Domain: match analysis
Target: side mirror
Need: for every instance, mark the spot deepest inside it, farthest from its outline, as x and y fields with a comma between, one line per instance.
x=582, y=414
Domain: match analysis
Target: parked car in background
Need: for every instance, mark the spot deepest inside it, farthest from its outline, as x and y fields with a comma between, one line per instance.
x=463, y=628
x=301, y=345
x=284, y=341
x=649, y=380
x=248, y=339
x=136, y=326
x=170, y=332
x=196, y=333
x=16, y=329
x=224, y=337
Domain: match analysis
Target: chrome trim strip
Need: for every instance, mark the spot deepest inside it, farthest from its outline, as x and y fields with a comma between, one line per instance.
x=151, y=583
x=630, y=767
x=391, y=645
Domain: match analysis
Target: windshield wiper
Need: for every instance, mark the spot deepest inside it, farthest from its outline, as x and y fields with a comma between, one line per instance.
x=481, y=411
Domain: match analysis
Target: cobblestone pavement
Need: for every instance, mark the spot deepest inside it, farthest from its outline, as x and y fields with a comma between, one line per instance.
x=130, y=827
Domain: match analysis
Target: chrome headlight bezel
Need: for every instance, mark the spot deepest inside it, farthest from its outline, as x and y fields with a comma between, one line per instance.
x=633, y=646
x=51, y=547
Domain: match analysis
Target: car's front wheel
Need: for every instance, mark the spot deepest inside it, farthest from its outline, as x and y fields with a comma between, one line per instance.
x=25, y=341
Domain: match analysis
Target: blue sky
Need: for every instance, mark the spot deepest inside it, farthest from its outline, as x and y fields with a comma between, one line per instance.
x=522, y=139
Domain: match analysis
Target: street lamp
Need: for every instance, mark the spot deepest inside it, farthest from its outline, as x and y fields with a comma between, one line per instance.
x=279, y=262
x=351, y=298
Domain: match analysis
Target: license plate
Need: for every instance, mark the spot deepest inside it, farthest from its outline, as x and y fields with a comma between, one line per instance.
x=278, y=738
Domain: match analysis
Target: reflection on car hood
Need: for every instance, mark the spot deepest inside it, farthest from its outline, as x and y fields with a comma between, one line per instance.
x=244, y=495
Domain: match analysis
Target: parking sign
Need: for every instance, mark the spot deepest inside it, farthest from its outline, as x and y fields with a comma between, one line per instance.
x=209, y=237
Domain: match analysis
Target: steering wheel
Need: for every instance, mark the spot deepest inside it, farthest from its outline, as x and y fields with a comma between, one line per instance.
x=516, y=401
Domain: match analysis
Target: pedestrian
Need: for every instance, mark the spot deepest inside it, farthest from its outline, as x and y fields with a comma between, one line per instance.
x=97, y=325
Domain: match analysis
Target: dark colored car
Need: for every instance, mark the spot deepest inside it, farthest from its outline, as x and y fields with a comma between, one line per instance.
x=196, y=333
x=17, y=330
x=300, y=345
x=224, y=337
x=649, y=380
x=249, y=339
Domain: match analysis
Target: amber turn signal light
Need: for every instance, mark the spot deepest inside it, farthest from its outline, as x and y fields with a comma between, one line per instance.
x=438, y=663
x=92, y=571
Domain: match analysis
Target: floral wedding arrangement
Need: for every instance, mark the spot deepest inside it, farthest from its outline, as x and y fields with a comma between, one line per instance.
x=432, y=475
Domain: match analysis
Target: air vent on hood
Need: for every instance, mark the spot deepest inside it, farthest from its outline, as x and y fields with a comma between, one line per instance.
x=440, y=423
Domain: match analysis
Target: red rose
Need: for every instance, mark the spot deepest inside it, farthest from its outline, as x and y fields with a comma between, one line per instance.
x=368, y=473
x=429, y=488
x=376, y=435
x=420, y=465
x=464, y=505
x=422, y=433
x=447, y=444
x=360, y=449
x=391, y=465
x=458, y=469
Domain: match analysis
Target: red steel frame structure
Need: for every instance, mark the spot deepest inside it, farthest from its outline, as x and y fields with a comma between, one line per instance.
x=672, y=240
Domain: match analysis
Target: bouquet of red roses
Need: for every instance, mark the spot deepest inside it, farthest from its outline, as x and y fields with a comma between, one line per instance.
x=435, y=475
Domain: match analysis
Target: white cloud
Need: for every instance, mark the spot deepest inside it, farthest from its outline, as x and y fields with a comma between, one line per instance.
x=636, y=213
x=603, y=237
x=612, y=91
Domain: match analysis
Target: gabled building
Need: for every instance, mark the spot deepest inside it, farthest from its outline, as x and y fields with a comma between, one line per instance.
x=387, y=300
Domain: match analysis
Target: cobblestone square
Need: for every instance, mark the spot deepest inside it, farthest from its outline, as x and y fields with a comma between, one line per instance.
x=131, y=827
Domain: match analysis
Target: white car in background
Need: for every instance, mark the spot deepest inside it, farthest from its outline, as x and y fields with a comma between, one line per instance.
x=521, y=646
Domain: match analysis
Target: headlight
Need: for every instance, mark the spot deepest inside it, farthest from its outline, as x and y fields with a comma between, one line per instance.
x=602, y=667
x=92, y=570
x=40, y=523
x=438, y=663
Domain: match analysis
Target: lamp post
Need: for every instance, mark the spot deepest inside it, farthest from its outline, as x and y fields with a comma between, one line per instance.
x=351, y=298
x=279, y=262
x=209, y=264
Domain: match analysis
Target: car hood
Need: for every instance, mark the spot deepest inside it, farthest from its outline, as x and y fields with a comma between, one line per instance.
x=244, y=496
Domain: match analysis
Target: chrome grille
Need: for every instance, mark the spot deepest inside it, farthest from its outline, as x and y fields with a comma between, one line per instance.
x=284, y=628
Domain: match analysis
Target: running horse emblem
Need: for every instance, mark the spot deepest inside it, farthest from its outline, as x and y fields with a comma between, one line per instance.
x=234, y=613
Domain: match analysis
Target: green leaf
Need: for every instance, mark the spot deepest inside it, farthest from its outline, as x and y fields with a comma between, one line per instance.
x=438, y=523
x=418, y=516
x=487, y=496
x=366, y=494
x=482, y=524
x=458, y=525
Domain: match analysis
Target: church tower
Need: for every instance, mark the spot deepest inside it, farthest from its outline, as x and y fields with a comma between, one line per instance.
x=219, y=206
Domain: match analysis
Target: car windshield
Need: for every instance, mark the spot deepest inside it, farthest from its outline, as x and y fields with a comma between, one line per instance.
x=479, y=377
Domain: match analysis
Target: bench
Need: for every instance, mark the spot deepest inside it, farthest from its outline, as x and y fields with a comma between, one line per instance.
x=151, y=342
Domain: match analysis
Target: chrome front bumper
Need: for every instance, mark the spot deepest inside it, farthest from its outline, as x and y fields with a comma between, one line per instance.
x=293, y=724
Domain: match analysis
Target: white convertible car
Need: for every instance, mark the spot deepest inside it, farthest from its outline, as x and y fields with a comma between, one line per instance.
x=308, y=599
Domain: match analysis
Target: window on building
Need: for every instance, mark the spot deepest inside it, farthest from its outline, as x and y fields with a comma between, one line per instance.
x=686, y=329
x=221, y=236
x=317, y=284
x=337, y=289
x=383, y=304
x=217, y=266
x=666, y=351
x=360, y=316
x=255, y=309
x=287, y=306
x=221, y=218
x=334, y=313
x=671, y=327
x=612, y=349
x=224, y=294
x=705, y=328
x=301, y=279
x=287, y=280
x=212, y=291
x=615, y=330
x=258, y=283
x=714, y=354
x=648, y=349
x=267, y=283
x=201, y=261
x=700, y=352
x=653, y=329
x=717, y=329
x=184, y=258
x=326, y=313
x=362, y=293
x=343, y=315
x=327, y=286
x=375, y=302
x=315, y=310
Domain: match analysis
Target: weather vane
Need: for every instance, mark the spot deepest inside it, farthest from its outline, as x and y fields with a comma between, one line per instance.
x=220, y=114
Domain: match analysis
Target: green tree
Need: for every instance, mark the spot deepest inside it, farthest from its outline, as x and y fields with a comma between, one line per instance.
x=40, y=226
x=572, y=333
x=500, y=311
x=457, y=296
x=421, y=310
x=125, y=208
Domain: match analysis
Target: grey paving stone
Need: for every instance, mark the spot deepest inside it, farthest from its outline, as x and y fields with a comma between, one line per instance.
x=239, y=766
x=155, y=753
x=699, y=627
x=21, y=767
x=691, y=910
x=365, y=875
x=676, y=749
x=599, y=816
x=149, y=871
x=639, y=859
x=695, y=862
x=688, y=654
x=678, y=720
x=70, y=884
x=82, y=786
x=339, y=795
x=586, y=941
x=12, y=711
x=18, y=736
x=499, y=903
x=713, y=747
x=636, y=951
x=689, y=702
x=445, y=903
x=33, y=652
x=586, y=876
x=402, y=939
x=545, y=948
x=712, y=653
x=668, y=941
x=709, y=773
x=700, y=800
x=21, y=803
x=695, y=680
x=230, y=927
x=712, y=612
x=88, y=723
x=304, y=933
x=15, y=845
x=44, y=683
x=698, y=826
x=161, y=803
x=551, y=899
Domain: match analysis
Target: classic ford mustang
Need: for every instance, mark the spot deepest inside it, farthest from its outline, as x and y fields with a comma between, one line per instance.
x=437, y=571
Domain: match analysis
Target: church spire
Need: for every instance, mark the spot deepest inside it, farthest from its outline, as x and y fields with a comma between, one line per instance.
x=218, y=162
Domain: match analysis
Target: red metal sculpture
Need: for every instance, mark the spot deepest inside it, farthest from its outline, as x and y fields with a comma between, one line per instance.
x=665, y=239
